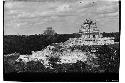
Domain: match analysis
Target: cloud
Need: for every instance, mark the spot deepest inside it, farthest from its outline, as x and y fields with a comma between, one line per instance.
x=45, y=0
x=57, y=13
x=24, y=9
x=107, y=9
x=62, y=8
x=112, y=0
x=115, y=14
x=9, y=5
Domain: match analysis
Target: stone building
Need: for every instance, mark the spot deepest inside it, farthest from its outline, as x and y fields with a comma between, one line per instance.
x=89, y=30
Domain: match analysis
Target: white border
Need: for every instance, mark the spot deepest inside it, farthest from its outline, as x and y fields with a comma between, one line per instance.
x=1, y=41
x=122, y=44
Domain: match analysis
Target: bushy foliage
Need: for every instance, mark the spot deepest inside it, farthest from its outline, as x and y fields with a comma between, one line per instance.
x=25, y=44
x=108, y=61
x=108, y=56
x=115, y=35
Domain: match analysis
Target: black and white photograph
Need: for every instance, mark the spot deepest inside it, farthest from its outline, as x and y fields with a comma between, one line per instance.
x=61, y=40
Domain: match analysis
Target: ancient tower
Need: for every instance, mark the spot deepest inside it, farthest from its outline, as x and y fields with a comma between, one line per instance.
x=89, y=30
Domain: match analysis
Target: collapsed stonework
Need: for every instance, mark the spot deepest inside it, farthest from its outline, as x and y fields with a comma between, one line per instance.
x=64, y=56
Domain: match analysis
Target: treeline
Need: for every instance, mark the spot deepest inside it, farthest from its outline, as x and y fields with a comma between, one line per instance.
x=116, y=35
x=25, y=44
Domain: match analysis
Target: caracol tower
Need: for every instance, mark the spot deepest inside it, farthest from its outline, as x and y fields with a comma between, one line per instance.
x=90, y=35
x=89, y=30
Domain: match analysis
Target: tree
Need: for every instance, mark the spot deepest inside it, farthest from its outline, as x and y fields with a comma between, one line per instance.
x=49, y=31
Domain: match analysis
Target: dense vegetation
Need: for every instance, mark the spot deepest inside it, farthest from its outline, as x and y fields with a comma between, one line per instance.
x=115, y=35
x=108, y=56
x=108, y=61
x=25, y=44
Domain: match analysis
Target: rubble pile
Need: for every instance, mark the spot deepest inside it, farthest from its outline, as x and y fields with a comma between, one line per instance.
x=65, y=55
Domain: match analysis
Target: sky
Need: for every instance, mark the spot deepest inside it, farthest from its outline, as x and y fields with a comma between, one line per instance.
x=28, y=17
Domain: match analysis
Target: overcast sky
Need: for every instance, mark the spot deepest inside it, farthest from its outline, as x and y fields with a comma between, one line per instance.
x=65, y=16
